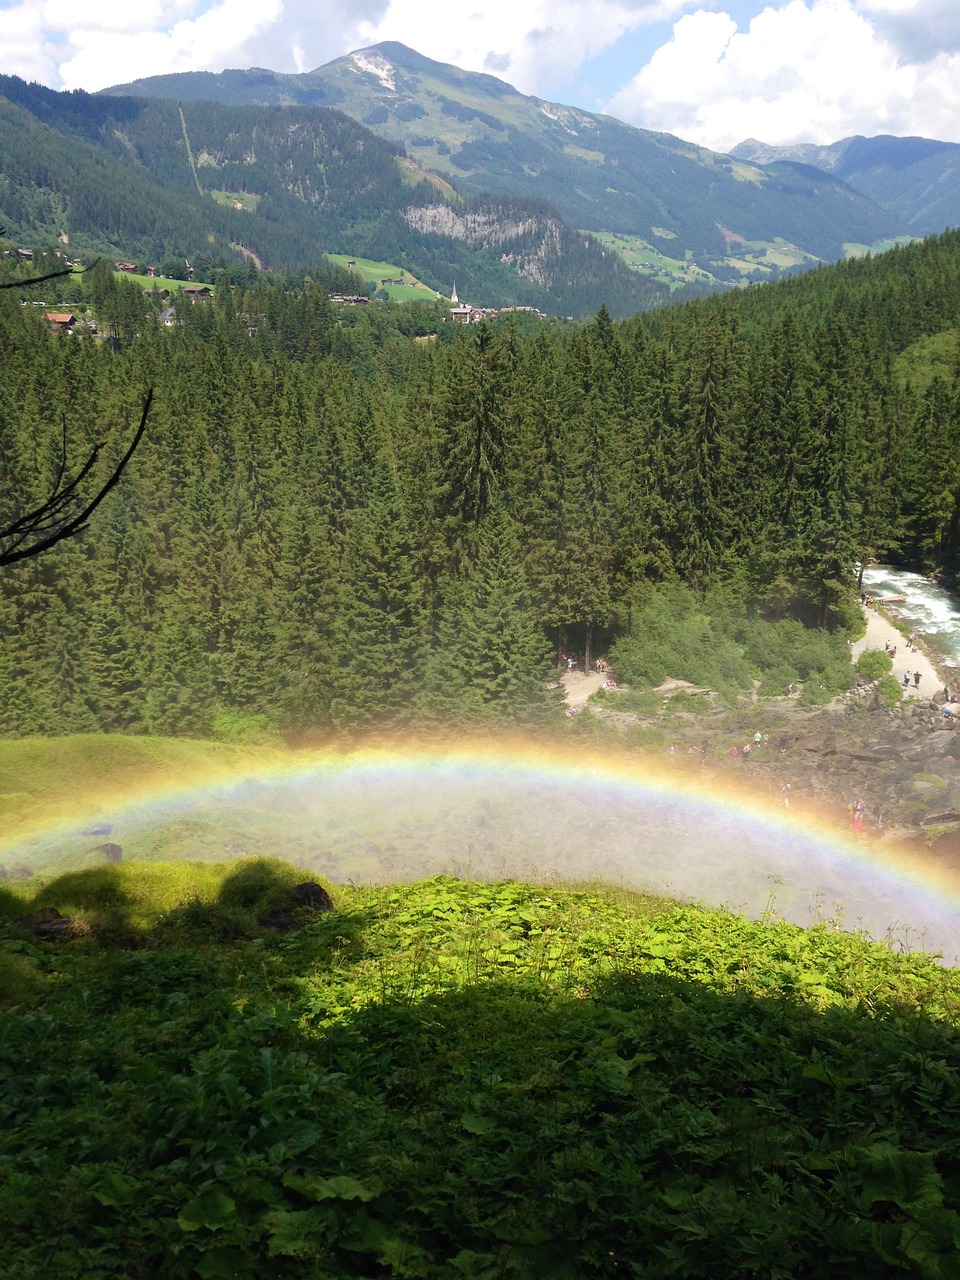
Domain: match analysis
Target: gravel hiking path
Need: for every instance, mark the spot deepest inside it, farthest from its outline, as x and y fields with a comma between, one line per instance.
x=578, y=687
x=880, y=630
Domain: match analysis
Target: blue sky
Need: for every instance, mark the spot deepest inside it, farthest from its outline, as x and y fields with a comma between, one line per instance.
x=711, y=71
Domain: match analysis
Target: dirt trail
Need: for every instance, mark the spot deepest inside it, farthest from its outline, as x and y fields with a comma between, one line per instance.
x=578, y=687
x=879, y=631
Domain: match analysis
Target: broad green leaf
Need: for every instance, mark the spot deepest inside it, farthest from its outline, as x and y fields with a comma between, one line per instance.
x=212, y=1209
x=342, y=1187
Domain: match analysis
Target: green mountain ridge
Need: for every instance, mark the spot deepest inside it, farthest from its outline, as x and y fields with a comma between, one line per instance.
x=915, y=179
x=151, y=178
x=599, y=173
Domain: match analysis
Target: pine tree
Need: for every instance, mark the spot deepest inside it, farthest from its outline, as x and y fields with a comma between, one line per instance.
x=491, y=664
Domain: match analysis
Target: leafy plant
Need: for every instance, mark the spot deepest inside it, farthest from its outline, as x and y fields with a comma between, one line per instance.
x=449, y=1078
x=872, y=664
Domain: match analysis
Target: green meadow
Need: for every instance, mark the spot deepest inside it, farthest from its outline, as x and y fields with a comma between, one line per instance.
x=240, y=200
x=641, y=254
x=160, y=282
x=411, y=291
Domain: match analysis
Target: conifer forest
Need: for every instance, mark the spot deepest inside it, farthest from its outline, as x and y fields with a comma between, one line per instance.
x=342, y=519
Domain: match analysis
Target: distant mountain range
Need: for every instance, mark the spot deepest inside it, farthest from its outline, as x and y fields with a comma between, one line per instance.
x=681, y=203
x=147, y=179
x=917, y=180
x=385, y=154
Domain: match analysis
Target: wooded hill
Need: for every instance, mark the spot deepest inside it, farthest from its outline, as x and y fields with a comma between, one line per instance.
x=915, y=179
x=148, y=180
x=599, y=173
x=330, y=526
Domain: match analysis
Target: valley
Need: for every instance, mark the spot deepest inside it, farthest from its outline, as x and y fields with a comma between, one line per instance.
x=458, y=818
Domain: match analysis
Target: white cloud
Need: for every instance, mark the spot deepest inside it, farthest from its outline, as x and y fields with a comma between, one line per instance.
x=811, y=72
x=24, y=48
x=918, y=29
x=92, y=44
x=116, y=15
x=105, y=51
x=97, y=43
x=529, y=43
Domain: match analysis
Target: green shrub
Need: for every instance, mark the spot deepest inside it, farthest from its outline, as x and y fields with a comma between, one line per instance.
x=454, y=1079
x=260, y=883
x=714, y=646
x=246, y=728
x=872, y=664
x=776, y=682
x=889, y=691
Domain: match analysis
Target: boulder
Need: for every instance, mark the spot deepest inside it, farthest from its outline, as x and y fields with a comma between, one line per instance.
x=112, y=852
x=46, y=923
x=311, y=894
x=942, y=818
x=947, y=847
x=821, y=743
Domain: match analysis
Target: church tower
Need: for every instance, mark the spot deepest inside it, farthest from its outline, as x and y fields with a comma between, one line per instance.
x=453, y=297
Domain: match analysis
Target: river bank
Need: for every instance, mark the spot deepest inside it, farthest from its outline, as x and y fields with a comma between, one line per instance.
x=908, y=664
x=923, y=605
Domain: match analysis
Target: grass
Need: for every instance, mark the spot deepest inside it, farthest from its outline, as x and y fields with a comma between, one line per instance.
x=744, y=256
x=160, y=282
x=46, y=780
x=241, y=200
x=373, y=272
x=640, y=253
x=448, y=1078
x=457, y=1079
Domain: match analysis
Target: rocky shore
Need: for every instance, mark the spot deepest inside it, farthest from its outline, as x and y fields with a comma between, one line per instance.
x=904, y=761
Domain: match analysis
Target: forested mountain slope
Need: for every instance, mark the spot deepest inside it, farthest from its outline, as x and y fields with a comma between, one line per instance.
x=147, y=179
x=598, y=172
x=917, y=180
x=331, y=527
x=62, y=189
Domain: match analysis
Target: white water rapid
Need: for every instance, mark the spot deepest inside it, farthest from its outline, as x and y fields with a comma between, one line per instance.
x=930, y=609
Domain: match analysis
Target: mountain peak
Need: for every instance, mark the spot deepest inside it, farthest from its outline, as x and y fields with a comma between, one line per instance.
x=372, y=62
x=391, y=53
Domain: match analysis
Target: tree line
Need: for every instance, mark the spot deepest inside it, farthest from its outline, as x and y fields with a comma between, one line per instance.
x=341, y=519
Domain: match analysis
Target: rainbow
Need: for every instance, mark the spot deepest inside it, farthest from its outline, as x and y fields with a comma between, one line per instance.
x=508, y=808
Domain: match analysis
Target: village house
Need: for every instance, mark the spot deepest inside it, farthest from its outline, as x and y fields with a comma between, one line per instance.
x=60, y=321
x=465, y=314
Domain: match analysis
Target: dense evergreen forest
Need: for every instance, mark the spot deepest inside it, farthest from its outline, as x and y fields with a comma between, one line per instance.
x=351, y=518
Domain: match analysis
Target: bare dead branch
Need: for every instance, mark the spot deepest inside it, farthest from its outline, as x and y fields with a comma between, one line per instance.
x=52, y=275
x=50, y=517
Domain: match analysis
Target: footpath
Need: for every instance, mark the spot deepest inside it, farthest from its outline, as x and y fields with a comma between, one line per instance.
x=577, y=686
x=881, y=631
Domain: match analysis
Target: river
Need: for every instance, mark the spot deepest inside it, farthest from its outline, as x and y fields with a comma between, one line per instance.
x=930, y=609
